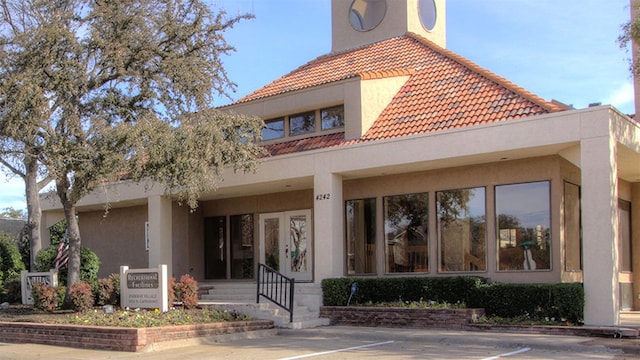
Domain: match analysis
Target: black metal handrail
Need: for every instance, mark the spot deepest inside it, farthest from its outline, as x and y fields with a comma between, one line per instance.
x=276, y=287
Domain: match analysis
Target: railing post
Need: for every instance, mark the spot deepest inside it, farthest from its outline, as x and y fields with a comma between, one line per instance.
x=291, y=292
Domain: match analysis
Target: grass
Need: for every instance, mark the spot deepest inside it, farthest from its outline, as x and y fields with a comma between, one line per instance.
x=121, y=318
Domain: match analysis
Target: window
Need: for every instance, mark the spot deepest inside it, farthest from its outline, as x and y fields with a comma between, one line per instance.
x=461, y=230
x=273, y=129
x=215, y=253
x=228, y=247
x=361, y=236
x=523, y=222
x=364, y=15
x=406, y=227
x=332, y=117
x=241, y=233
x=302, y=123
x=624, y=235
x=572, y=229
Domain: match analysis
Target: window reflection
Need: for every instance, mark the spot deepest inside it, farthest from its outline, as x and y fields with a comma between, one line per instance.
x=361, y=236
x=273, y=129
x=461, y=230
x=302, y=123
x=524, y=217
x=332, y=117
x=406, y=228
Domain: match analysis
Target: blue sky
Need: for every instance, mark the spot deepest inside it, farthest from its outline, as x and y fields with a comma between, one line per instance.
x=558, y=49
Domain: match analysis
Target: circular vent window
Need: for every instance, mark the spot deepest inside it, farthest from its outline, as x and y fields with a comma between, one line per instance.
x=365, y=15
x=428, y=13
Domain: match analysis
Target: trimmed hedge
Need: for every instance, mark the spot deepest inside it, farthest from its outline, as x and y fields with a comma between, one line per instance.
x=560, y=301
x=378, y=290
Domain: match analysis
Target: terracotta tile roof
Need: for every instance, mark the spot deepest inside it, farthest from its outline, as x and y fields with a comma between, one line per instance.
x=312, y=143
x=444, y=90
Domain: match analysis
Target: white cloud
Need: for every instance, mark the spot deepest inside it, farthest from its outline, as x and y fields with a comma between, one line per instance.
x=622, y=97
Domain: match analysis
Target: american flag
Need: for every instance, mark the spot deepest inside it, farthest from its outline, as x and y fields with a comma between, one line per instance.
x=63, y=254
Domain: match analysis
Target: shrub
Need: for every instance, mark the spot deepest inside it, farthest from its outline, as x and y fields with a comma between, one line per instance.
x=457, y=289
x=559, y=301
x=89, y=264
x=44, y=296
x=108, y=292
x=61, y=293
x=188, y=291
x=171, y=291
x=10, y=267
x=81, y=296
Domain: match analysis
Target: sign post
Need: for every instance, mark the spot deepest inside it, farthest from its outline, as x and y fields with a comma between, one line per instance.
x=144, y=288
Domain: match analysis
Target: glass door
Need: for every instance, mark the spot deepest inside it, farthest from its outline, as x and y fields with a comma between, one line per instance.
x=286, y=240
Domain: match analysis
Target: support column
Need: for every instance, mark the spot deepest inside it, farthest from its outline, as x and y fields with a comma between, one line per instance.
x=600, y=230
x=328, y=226
x=635, y=243
x=160, y=239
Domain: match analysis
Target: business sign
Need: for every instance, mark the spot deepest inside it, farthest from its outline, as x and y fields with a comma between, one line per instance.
x=28, y=278
x=144, y=288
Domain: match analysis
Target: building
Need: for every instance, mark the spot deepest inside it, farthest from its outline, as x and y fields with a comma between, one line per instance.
x=391, y=156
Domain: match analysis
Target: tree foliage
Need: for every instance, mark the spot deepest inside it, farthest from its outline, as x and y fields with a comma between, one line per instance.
x=630, y=35
x=104, y=89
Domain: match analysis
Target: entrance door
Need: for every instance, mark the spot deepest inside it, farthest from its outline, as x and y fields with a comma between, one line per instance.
x=286, y=243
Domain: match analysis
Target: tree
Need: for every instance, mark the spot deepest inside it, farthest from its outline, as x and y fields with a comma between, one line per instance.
x=107, y=89
x=12, y=213
x=630, y=35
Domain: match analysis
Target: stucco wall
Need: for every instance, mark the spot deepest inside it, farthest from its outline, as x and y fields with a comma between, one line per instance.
x=117, y=238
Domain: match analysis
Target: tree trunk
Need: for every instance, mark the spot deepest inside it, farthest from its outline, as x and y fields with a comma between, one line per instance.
x=73, y=233
x=34, y=212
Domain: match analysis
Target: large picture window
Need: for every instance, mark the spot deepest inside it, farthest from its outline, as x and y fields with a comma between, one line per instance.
x=361, y=236
x=572, y=230
x=273, y=129
x=406, y=227
x=461, y=230
x=523, y=224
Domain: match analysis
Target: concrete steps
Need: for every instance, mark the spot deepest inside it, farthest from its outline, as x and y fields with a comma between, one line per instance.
x=241, y=297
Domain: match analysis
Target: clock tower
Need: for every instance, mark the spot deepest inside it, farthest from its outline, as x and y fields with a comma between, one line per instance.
x=360, y=22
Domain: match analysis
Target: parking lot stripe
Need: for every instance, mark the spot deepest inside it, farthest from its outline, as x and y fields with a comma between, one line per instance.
x=336, y=351
x=519, y=351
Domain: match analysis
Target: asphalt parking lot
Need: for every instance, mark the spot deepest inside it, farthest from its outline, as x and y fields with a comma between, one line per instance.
x=341, y=342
